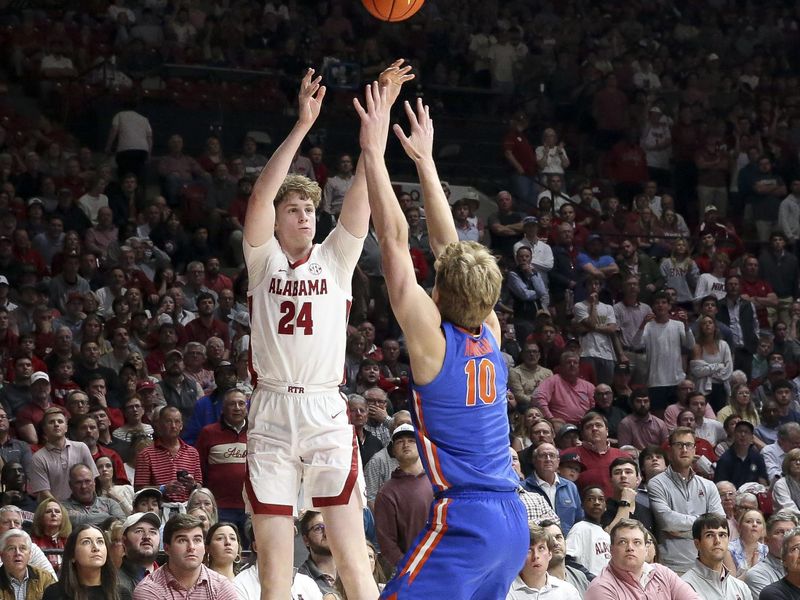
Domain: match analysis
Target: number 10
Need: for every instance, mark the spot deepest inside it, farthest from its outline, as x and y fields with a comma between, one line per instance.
x=480, y=382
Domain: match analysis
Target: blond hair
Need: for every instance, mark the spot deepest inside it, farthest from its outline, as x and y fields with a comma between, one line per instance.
x=302, y=186
x=468, y=283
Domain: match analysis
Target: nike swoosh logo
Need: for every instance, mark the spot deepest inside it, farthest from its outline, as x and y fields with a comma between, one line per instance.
x=337, y=414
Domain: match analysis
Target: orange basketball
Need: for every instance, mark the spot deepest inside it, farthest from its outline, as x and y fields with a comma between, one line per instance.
x=393, y=10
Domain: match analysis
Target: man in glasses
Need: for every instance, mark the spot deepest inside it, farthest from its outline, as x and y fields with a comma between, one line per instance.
x=627, y=565
x=677, y=497
x=319, y=565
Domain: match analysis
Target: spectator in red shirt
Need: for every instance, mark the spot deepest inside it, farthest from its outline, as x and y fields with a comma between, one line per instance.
x=521, y=156
x=25, y=254
x=159, y=464
x=222, y=447
x=627, y=166
x=205, y=325
x=320, y=169
x=756, y=290
x=214, y=279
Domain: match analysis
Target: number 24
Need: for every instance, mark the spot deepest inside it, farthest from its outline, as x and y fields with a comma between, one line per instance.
x=304, y=321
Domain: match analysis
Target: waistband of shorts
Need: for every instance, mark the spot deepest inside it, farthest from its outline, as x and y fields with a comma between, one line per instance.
x=295, y=388
x=466, y=493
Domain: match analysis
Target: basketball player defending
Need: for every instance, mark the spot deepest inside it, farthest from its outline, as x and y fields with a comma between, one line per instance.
x=476, y=538
x=299, y=437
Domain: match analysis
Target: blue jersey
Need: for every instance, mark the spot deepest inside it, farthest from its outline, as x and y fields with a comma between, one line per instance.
x=461, y=420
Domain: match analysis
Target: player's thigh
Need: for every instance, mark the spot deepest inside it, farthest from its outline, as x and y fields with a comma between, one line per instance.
x=273, y=464
x=468, y=544
x=329, y=452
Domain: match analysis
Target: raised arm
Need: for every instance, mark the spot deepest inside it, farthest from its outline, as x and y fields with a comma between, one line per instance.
x=355, y=209
x=259, y=226
x=415, y=311
x=419, y=148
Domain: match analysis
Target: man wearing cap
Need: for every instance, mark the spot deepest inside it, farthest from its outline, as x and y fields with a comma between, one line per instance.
x=742, y=463
x=381, y=466
x=542, y=259
x=141, y=538
x=205, y=325
x=403, y=502
x=179, y=390
x=30, y=415
x=561, y=494
x=467, y=230
x=49, y=476
x=222, y=447
x=567, y=436
x=148, y=499
x=208, y=409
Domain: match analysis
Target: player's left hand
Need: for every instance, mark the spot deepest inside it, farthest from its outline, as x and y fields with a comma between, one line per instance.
x=393, y=77
x=309, y=100
x=419, y=144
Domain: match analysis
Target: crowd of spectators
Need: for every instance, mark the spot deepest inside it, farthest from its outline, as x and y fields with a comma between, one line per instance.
x=649, y=229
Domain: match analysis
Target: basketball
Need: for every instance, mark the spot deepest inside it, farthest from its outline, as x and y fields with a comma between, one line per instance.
x=393, y=10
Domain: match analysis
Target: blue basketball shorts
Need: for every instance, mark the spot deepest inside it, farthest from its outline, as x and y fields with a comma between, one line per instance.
x=473, y=546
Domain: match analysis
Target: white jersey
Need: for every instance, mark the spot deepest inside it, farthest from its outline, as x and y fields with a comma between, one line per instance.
x=299, y=311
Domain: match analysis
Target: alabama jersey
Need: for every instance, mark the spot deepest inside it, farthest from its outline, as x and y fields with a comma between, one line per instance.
x=299, y=311
x=462, y=424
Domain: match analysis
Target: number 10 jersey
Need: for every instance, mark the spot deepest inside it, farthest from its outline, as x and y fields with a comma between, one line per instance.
x=299, y=312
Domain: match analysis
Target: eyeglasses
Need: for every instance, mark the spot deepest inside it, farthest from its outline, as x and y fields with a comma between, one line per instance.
x=318, y=528
x=547, y=456
x=683, y=445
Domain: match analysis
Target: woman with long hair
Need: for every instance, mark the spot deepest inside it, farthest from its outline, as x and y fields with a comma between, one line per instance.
x=114, y=529
x=712, y=364
x=377, y=573
x=87, y=572
x=202, y=514
x=51, y=527
x=748, y=550
x=786, y=491
x=105, y=485
x=92, y=330
x=681, y=272
x=224, y=549
x=741, y=403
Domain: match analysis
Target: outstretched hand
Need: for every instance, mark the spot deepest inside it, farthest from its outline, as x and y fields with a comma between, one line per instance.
x=309, y=100
x=419, y=144
x=393, y=77
x=374, y=118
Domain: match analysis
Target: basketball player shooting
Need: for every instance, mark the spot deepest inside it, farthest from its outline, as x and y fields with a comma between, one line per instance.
x=299, y=436
x=476, y=538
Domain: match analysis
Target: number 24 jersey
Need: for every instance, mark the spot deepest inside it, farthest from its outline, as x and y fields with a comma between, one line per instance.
x=299, y=311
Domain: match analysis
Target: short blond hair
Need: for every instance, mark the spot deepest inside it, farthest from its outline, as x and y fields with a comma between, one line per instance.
x=468, y=283
x=302, y=186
